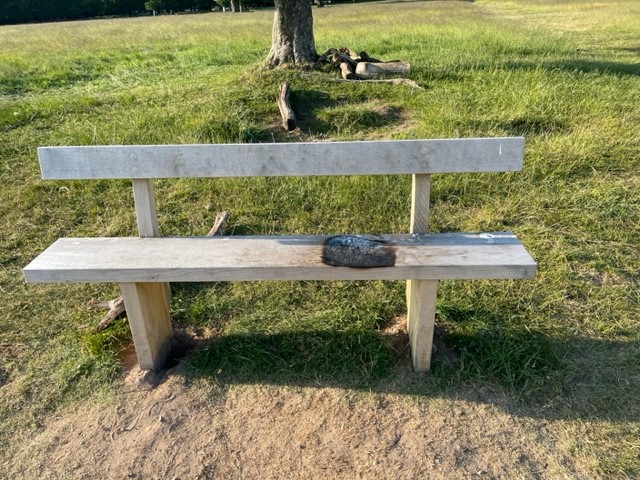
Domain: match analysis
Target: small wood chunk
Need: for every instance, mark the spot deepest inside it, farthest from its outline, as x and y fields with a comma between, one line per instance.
x=350, y=53
x=288, y=117
x=219, y=224
x=358, y=251
x=347, y=71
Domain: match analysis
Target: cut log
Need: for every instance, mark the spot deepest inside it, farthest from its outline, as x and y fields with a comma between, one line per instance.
x=326, y=56
x=393, y=81
x=367, y=70
x=350, y=53
x=288, y=117
x=347, y=71
x=364, y=57
x=339, y=58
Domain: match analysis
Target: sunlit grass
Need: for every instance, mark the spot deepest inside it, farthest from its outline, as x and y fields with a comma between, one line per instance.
x=566, y=78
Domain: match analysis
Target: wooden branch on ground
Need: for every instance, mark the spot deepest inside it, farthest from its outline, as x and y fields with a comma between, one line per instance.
x=219, y=224
x=116, y=308
x=393, y=81
x=288, y=117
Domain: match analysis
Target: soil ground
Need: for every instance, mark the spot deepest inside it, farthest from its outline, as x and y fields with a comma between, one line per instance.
x=173, y=426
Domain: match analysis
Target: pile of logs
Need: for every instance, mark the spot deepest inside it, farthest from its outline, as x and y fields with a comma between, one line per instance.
x=360, y=66
x=352, y=66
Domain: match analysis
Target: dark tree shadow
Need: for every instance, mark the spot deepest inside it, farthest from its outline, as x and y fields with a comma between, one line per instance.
x=581, y=65
x=307, y=105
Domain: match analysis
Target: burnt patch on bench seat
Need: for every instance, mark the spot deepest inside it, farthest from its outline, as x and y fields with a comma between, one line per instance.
x=358, y=251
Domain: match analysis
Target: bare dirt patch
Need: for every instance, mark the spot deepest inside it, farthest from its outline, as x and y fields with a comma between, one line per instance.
x=175, y=427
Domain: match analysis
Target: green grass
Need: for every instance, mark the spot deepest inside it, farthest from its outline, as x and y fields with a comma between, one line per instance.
x=564, y=346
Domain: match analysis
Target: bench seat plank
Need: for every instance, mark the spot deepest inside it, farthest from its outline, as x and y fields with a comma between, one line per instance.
x=235, y=258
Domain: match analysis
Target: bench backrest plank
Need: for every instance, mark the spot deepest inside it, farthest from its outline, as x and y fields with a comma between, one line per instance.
x=283, y=159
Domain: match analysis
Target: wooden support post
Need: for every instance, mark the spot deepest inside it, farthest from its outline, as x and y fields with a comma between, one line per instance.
x=147, y=215
x=148, y=314
x=420, y=192
x=147, y=218
x=421, y=315
x=421, y=294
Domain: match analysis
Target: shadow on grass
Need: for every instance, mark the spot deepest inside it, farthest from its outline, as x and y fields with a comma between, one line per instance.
x=583, y=66
x=307, y=103
x=339, y=115
x=521, y=126
x=541, y=377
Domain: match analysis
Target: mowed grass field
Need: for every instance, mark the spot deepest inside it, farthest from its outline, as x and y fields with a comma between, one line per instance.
x=564, y=347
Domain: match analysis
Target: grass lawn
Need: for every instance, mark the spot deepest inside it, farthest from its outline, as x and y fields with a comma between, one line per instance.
x=564, y=74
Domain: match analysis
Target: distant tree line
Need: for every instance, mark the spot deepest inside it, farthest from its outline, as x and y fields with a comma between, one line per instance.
x=25, y=11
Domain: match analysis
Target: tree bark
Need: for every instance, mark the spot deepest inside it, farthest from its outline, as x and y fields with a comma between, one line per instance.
x=292, y=36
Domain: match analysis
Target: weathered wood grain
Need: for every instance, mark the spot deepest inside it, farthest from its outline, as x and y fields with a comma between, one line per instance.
x=421, y=294
x=145, y=202
x=148, y=313
x=421, y=314
x=147, y=215
x=283, y=159
x=188, y=259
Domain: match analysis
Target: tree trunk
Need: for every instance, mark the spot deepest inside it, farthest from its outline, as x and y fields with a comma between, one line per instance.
x=292, y=36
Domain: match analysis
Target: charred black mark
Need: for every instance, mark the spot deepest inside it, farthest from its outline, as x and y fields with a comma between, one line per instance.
x=358, y=251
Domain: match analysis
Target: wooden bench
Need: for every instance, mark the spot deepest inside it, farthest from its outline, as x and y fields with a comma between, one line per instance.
x=144, y=265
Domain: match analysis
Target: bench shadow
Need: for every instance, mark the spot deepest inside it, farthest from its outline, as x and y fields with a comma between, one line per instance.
x=541, y=377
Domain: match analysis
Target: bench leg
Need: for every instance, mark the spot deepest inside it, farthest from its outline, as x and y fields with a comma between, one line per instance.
x=148, y=314
x=421, y=315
